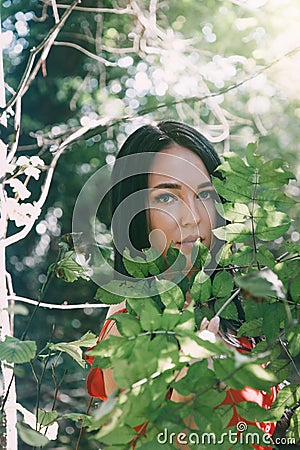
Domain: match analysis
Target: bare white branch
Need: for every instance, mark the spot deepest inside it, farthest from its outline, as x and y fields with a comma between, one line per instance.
x=85, y=52
x=55, y=306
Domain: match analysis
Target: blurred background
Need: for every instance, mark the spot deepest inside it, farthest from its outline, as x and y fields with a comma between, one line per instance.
x=228, y=67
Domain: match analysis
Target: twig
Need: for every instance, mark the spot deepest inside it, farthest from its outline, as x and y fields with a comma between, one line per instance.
x=85, y=52
x=55, y=306
x=55, y=11
x=29, y=74
x=126, y=10
x=228, y=301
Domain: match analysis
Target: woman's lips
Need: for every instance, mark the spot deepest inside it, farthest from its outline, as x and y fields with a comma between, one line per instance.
x=189, y=242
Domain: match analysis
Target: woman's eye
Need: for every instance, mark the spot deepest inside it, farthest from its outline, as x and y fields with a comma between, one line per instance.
x=164, y=198
x=206, y=195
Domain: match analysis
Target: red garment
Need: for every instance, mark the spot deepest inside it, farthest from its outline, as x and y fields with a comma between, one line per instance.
x=261, y=398
x=96, y=388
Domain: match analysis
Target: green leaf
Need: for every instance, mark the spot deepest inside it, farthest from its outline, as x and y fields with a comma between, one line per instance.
x=200, y=255
x=170, y=294
x=281, y=368
x=17, y=309
x=155, y=261
x=73, y=350
x=265, y=257
x=224, y=255
x=295, y=289
x=233, y=212
x=127, y=325
x=293, y=338
x=260, y=284
x=251, y=328
x=222, y=284
x=87, y=340
x=148, y=312
x=273, y=174
x=254, y=160
x=294, y=429
x=275, y=197
x=248, y=374
x=234, y=232
x=232, y=190
x=243, y=256
x=69, y=269
x=46, y=418
x=286, y=398
x=115, y=291
x=84, y=419
x=13, y=350
x=197, y=379
x=252, y=411
x=229, y=312
x=136, y=267
x=201, y=288
x=175, y=259
x=271, y=225
x=31, y=437
x=237, y=164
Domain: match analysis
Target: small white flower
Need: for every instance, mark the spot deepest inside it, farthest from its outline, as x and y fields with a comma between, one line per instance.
x=11, y=206
x=32, y=172
x=6, y=168
x=19, y=188
x=23, y=161
x=36, y=161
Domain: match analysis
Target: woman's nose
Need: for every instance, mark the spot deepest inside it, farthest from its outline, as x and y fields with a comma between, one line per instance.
x=190, y=213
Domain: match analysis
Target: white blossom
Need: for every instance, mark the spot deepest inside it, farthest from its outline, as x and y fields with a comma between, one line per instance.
x=22, y=213
x=6, y=168
x=32, y=172
x=36, y=161
x=23, y=161
x=19, y=188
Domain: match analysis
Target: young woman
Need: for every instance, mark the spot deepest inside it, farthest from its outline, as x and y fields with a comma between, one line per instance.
x=162, y=194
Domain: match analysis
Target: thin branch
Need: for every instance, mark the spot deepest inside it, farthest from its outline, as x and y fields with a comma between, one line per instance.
x=29, y=74
x=18, y=298
x=126, y=10
x=55, y=11
x=228, y=301
x=85, y=52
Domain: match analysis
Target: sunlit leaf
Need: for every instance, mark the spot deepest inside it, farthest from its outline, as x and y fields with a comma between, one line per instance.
x=234, y=232
x=271, y=225
x=31, y=437
x=234, y=212
x=13, y=350
x=201, y=288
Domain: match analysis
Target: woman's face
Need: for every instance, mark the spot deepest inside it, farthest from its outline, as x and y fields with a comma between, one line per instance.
x=181, y=201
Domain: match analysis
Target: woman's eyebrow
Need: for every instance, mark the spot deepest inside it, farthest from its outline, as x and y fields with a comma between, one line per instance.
x=167, y=186
x=204, y=185
x=178, y=186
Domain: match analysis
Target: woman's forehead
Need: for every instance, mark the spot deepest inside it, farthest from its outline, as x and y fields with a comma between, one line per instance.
x=180, y=164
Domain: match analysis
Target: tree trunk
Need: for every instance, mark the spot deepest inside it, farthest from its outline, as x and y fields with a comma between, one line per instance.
x=8, y=436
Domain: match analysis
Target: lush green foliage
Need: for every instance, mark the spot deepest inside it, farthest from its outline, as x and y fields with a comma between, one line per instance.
x=146, y=359
x=223, y=66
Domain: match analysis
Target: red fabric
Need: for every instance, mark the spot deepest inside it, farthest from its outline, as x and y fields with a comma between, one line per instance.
x=95, y=380
x=96, y=388
x=248, y=394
